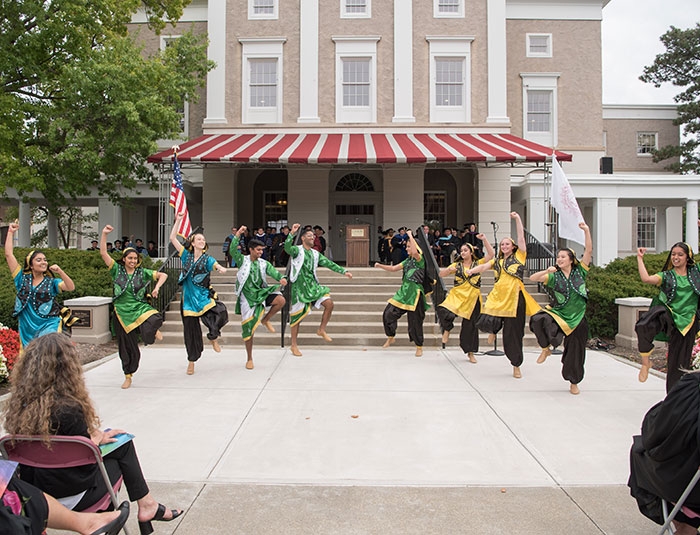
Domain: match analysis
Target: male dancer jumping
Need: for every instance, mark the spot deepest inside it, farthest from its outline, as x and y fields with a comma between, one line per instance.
x=306, y=290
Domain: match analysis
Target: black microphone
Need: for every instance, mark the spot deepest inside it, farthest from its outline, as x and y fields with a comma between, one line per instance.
x=493, y=222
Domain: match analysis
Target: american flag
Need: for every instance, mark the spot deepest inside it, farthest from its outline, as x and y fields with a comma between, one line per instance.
x=178, y=200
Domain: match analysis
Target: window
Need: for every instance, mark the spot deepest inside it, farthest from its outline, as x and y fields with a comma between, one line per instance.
x=647, y=142
x=435, y=208
x=539, y=111
x=646, y=227
x=540, y=107
x=356, y=74
x=354, y=182
x=183, y=108
x=262, y=81
x=539, y=45
x=355, y=9
x=450, y=87
x=448, y=8
x=275, y=209
x=262, y=9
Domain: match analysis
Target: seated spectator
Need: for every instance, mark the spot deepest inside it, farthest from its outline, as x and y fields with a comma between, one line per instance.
x=49, y=397
x=25, y=509
x=319, y=240
x=93, y=246
x=226, y=246
x=470, y=233
x=398, y=244
x=278, y=256
x=138, y=245
x=110, y=247
x=665, y=457
x=117, y=246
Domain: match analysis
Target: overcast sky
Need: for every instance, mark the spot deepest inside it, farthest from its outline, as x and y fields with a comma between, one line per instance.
x=631, y=31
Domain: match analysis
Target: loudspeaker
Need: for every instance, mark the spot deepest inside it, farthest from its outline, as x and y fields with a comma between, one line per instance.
x=606, y=165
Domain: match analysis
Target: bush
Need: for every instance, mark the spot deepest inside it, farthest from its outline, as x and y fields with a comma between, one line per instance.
x=86, y=268
x=620, y=278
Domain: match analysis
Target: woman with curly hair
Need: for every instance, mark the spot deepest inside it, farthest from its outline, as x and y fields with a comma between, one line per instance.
x=565, y=317
x=199, y=301
x=133, y=314
x=508, y=302
x=672, y=315
x=49, y=397
x=464, y=299
x=36, y=309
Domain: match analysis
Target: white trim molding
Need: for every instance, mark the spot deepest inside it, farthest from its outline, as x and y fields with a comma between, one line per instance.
x=262, y=49
x=545, y=82
x=455, y=49
x=362, y=49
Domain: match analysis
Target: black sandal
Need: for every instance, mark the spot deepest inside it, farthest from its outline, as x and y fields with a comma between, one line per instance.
x=146, y=527
x=116, y=525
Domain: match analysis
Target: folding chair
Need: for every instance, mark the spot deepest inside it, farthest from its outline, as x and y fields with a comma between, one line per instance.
x=62, y=452
x=664, y=504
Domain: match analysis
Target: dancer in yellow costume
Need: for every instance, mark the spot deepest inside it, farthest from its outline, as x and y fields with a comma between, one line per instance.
x=508, y=302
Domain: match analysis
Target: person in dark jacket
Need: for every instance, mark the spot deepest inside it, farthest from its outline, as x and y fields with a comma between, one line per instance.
x=666, y=455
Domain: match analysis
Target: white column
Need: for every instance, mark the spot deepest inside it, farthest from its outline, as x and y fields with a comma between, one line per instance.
x=308, y=62
x=307, y=196
x=216, y=79
x=496, y=45
x=605, y=231
x=25, y=225
x=109, y=214
x=403, y=62
x=219, y=206
x=661, y=228
x=52, y=232
x=494, y=201
x=403, y=197
x=536, y=219
x=691, y=223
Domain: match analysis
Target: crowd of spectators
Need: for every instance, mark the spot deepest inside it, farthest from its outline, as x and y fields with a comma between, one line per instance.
x=444, y=244
x=119, y=245
x=270, y=236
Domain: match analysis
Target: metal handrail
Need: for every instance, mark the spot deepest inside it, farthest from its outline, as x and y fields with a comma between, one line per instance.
x=539, y=256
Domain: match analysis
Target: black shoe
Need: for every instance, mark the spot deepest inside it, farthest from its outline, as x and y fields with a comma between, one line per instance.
x=146, y=527
x=116, y=525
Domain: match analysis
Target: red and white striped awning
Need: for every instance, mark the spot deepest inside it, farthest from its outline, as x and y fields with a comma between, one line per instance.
x=375, y=148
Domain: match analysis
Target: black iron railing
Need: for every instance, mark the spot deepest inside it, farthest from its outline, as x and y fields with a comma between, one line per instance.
x=539, y=255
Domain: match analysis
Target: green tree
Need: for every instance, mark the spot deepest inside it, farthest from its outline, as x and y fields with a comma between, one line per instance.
x=680, y=66
x=81, y=105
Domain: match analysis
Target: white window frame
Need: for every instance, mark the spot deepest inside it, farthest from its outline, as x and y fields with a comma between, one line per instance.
x=450, y=48
x=655, y=147
x=541, y=81
x=345, y=14
x=252, y=15
x=649, y=228
x=534, y=54
x=265, y=49
x=359, y=47
x=459, y=14
x=164, y=39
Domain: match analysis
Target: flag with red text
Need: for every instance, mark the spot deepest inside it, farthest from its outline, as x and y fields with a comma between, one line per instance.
x=178, y=200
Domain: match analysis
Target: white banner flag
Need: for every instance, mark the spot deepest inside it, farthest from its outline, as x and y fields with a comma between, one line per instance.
x=564, y=202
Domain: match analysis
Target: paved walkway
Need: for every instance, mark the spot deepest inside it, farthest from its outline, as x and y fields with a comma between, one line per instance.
x=346, y=441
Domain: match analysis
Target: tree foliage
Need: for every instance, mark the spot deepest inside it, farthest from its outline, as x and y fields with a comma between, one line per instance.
x=680, y=66
x=82, y=106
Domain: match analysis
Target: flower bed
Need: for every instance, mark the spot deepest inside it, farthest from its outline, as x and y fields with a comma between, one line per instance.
x=9, y=351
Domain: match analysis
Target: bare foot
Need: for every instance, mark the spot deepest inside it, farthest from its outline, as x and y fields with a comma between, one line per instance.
x=491, y=339
x=159, y=335
x=516, y=372
x=295, y=351
x=445, y=337
x=543, y=355
x=471, y=357
x=574, y=389
x=644, y=370
x=389, y=341
x=419, y=351
x=249, y=365
x=269, y=326
x=215, y=345
x=127, y=381
x=190, y=368
x=324, y=335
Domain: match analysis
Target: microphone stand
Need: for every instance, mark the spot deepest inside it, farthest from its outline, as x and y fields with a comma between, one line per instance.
x=495, y=352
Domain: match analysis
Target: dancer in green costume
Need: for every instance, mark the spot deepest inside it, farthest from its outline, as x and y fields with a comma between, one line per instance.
x=254, y=294
x=132, y=314
x=306, y=290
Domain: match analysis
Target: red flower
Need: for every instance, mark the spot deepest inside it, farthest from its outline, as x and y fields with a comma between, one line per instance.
x=12, y=500
x=9, y=341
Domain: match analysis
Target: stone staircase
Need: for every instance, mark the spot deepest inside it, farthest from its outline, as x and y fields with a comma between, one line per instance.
x=356, y=320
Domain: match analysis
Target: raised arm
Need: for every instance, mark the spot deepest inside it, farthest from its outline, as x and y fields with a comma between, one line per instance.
x=67, y=285
x=103, y=246
x=643, y=273
x=519, y=231
x=9, y=248
x=289, y=242
x=414, y=244
x=173, y=233
x=490, y=253
x=588, y=247
x=233, y=249
x=541, y=276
